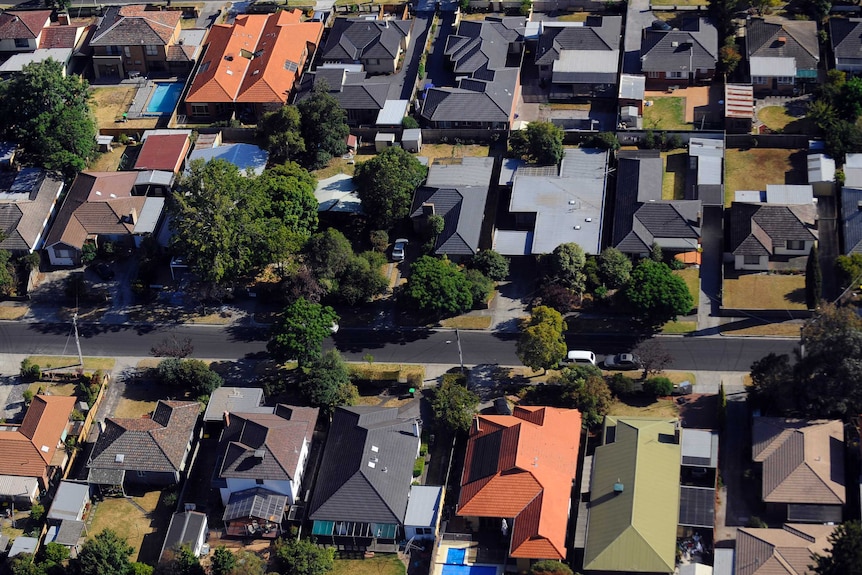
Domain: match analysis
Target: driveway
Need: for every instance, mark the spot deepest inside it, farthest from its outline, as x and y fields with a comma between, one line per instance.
x=401, y=87
x=712, y=241
x=436, y=71
x=638, y=17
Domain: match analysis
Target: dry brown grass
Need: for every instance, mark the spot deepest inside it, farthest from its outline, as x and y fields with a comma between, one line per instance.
x=386, y=371
x=109, y=105
x=441, y=151
x=782, y=329
x=755, y=168
x=65, y=389
x=61, y=361
x=764, y=291
x=128, y=521
x=673, y=180
x=133, y=409
x=636, y=407
x=12, y=311
x=108, y=161
x=467, y=322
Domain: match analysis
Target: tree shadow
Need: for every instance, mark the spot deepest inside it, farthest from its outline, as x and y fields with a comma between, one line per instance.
x=796, y=296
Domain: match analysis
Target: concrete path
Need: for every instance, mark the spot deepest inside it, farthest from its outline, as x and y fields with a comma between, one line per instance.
x=712, y=242
x=638, y=17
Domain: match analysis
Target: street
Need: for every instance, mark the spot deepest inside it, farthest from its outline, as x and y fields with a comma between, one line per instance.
x=716, y=353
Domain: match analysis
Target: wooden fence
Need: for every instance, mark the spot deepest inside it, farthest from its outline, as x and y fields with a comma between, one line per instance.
x=88, y=423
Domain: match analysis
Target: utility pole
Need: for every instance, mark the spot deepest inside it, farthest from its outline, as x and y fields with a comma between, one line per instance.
x=460, y=353
x=77, y=340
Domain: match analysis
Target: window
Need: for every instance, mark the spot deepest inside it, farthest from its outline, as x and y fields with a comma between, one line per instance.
x=141, y=473
x=654, y=74
x=259, y=481
x=128, y=52
x=152, y=50
x=200, y=110
x=22, y=43
x=758, y=80
x=751, y=260
x=676, y=75
x=796, y=245
x=786, y=79
x=113, y=50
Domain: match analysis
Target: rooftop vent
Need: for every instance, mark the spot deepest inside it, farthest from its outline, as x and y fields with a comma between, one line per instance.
x=589, y=219
x=618, y=487
x=375, y=449
x=259, y=453
x=119, y=458
x=372, y=465
x=859, y=205
x=577, y=227
x=46, y=449
x=674, y=44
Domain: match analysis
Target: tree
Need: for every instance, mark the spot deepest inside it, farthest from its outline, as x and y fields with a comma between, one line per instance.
x=604, y=141
x=362, y=279
x=105, y=554
x=191, y=374
x=438, y=286
x=302, y=557
x=849, y=268
x=300, y=331
x=481, y=287
x=328, y=254
x=7, y=273
x=722, y=406
x=813, y=279
x=454, y=406
x=223, y=561
x=584, y=389
x=137, y=568
x=48, y=114
x=772, y=385
x=550, y=567
x=841, y=138
x=655, y=253
x=615, y=268
x=541, y=345
x=436, y=225
x=822, y=113
x=385, y=185
x=656, y=294
x=558, y=297
x=567, y=266
x=765, y=6
x=323, y=127
x=24, y=564
x=248, y=563
x=541, y=143
x=658, y=386
x=180, y=561
x=289, y=189
x=37, y=512
x=327, y=384
x=492, y=264
x=409, y=123
x=729, y=56
x=653, y=355
x=281, y=133
x=845, y=557
x=172, y=346
x=55, y=553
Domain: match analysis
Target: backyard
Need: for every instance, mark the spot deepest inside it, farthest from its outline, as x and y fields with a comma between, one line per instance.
x=673, y=179
x=754, y=168
x=691, y=277
x=140, y=520
x=666, y=113
x=778, y=119
x=109, y=105
x=764, y=291
x=377, y=565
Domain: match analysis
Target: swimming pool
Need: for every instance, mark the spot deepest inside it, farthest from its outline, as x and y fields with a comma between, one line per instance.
x=469, y=570
x=456, y=556
x=164, y=98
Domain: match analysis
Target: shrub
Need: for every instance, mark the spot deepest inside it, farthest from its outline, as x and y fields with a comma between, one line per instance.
x=675, y=264
x=37, y=512
x=379, y=240
x=88, y=252
x=29, y=370
x=409, y=123
x=558, y=297
x=453, y=378
x=418, y=466
x=658, y=386
x=28, y=396
x=621, y=384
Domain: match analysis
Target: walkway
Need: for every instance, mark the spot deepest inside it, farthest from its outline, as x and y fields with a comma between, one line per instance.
x=638, y=17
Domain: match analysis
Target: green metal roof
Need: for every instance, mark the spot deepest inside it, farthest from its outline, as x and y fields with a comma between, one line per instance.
x=634, y=530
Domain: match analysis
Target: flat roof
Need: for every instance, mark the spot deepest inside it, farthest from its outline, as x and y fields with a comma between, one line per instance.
x=232, y=400
x=392, y=113
x=772, y=66
x=739, y=101
x=17, y=62
x=69, y=500
x=148, y=219
x=700, y=448
x=632, y=87
x=243, y=156
x=338, y=194
x=423, y=505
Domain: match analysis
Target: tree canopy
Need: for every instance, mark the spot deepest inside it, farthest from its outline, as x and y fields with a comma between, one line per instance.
x=584, y=389
x=492, y=264
x=344, y=275
x=105, y=554
x=323, y=125
x=300, y=331
x=541, y=345
x=303, y=557
x=281, y=132
x=567, y=266
x=48, y=114
x=845, y=557
x=385, y=185
x=191, y=374
x=615, y=268
x=327, y=384
x=454, y=405
x=657, y=294
x=436, y=285
x=541, y=143
x=550, y=567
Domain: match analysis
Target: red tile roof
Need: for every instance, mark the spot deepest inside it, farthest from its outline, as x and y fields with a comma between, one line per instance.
x=25, y=24
x=163, y=152
x=523, y=466
x=60, y=37
x=257, y=60
x=28, y=450
x=134, y=24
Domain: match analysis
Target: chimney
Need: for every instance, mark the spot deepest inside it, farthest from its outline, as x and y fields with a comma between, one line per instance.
x=477, y=424
x=782, y=40
x=427, y=210
x=259, y=454
x=63, y=19
x=133, y=216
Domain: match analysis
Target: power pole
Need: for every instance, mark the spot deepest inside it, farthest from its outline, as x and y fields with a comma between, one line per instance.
x=77, y=340
x=460, y=353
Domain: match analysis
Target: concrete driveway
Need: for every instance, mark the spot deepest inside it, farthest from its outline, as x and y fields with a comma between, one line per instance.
x=638, y=17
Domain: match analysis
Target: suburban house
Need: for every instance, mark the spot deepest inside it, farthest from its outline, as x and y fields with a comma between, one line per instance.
x=361, y=96
x=679, y=57
x=803, y=467
x=771, y=236
x=233, y=400
x=485, y=56
x=27, y=201
x=781, y=53
x=252, y=66
x=704, y=178
x=33, y=452
x=136, y=41
x=851, y=221
x=845, y=34
x=164, y=150
x=113, y=206
x=363, y=483
x=457, y=192
x=634, y=497
x=187, y=529
x=519, y=469
x=550, y=206
x=376, y=44
x=580, y=59
x=266, y=448
x=21, y=30
x=31, y=37
x=642, y=217
x=151, y=450
x=422, y=518
x=786, y=550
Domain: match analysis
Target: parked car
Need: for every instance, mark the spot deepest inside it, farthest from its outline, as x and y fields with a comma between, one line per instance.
x=623, y=361
x=583, y=357
x=661, y=25
x=399, y=251
x=104, y=271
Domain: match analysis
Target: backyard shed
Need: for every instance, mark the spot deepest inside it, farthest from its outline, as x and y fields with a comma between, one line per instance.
x=70, y=501
x=383, y=140
x=411, y=140
x=423, y=512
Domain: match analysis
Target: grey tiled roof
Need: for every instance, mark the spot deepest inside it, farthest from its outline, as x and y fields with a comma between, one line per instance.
x=755, y=228
x=352, y=39
x=696, y=45
x=851, y=220
x=353, y=90
x=762, y=40
x=367, y=467
x=483, y=44
x=474, y=100
x=597, y=34
x=279, y=436
x=26, y=200
x=846, y=37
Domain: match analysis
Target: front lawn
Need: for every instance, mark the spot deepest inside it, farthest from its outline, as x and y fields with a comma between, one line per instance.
x=673, y=179
x=641, y=406
x=679, y=327
x=764, y=291
x=384, y=564
x=754, y=168
x=691, y=277
x=63, y=361
x=467, y=322
x=666, y=113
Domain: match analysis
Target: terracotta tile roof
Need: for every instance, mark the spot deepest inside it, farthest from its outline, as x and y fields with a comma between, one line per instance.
x=156, y=443
x=60, y=37
x=163, y=152
x=135, y=25
x=29, y=450
x=803, y=461
x=784, y=551
x=24, y=24
x=257, y=59
x=522, y=466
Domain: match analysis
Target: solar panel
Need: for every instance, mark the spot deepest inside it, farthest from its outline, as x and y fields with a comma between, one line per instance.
x=697, y=506
x=290, y=66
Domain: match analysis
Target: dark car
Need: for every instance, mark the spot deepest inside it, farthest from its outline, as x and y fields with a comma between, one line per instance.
x=661, y=25
x=104, y=271
x=623, y=361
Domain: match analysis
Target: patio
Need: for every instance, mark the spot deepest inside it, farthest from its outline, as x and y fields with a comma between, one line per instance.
x=462, y=557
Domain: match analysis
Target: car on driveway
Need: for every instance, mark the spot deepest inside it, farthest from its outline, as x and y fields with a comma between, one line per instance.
x=104, y=271
x=399, y=250
x=623, y=361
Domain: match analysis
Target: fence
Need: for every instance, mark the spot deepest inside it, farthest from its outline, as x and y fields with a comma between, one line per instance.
x=783, y=141
x=633, y=137
x=772, y=314
x=88, y=424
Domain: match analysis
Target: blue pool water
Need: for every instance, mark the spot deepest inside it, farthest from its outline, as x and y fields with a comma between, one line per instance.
x=469, y=570
x=164, y=98
x=456, y=556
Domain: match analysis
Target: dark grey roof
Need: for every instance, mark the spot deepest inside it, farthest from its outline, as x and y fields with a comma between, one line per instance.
x=754, y=228
x=353, y=90
x=233, y=399
x=697, y=506
x=266, y=445
x=185, y=529
x=846, y=37
x=70, y=532
x=762, y=40
x=367, y=466
x=118, y=29
x=596, y=34
x=256, y=502
x=26, y=200
x=474, y=100
x=352, y=39
x=851, y=218
x=483, y=44
x=695, y=44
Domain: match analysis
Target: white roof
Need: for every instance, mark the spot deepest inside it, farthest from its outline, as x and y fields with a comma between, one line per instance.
x=423, y=506
x=587, y=61
x=337, y=194
x=699, y=447
x=243, y=156
x=17, y=62
x=771, y=67
x=513, y=243
x=821, y=168
x=749, y=196
x=393, y=113
x=853, y=160
x=723, y=562
x=69, y=501
x=17, y=486
x=149, y=216
x=23, y=545
x=632, y=87
x=154, y=177
x=233, y=399
x=789, y=195
x=695, y=569
x=739, y=101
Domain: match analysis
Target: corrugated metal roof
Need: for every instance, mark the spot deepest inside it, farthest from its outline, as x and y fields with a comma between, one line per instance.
x=821, y=168
x=16, y=486
x=423, y=505
x=632, y=87
x=234, y=400
x=243, y=156
x=23, y=545
x=69, y=501
x=700, y=447
x=772, y=66
x=738, y=101
x=513, y=243
x=17, y=62
x=149, y=216
x=393, y=113
x=789, y=195
x=851, y=218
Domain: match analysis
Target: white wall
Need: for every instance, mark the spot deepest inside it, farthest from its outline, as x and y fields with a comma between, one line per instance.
x=739, y=264
x=57, y=259
x=199, y=543
x=780, y=250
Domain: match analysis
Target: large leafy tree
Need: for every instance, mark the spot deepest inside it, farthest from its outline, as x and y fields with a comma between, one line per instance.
x=323, y=127
x=289, y=190
x=105, y=554
x=385, y=185
x=303, y=557
x=584, y=389
x=656, y=294
x=328, y=253
x=454, y=406
x=438, y=286
x=344, y=275
x=300, y=331
x=223, y=561
x=567, y=263
x=48, y=114
x=615, y=268
x=191, y=374
x=541, y=345
x=845, y=558
x=849, y=268
x=327, y=384
x=772, y=385
x=813, y=279
x=493, y=264
x=541, y=142
x=180, y=561
x=281, y=133
x=550, y=567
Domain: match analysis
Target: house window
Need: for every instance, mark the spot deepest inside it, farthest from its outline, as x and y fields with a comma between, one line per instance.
x=112, y=50
x=152, y=50
x=141, y=473
x=676, y=75
x=200, y=110
x=22, y=43
x=654, y=74
x=796, y=245
x=758, y=79
x=751, y=260
x=786, y=79
x=259, y=481
x=63, y=253
x=128, y=52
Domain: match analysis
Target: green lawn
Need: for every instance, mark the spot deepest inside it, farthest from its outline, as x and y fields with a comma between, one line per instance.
x=678, y=327
x=777, y=119
x=62, y=361
x=755, y=168
x=666, y=114
x=673, y=179
x=377, y=565
x=691, y=277
x=764, y=291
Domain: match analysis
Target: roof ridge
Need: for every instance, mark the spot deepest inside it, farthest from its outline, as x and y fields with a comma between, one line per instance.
x=820, y=479
x=361, y=472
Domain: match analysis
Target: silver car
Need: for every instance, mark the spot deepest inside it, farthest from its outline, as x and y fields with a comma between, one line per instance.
x=399, y=251
x=623, y=361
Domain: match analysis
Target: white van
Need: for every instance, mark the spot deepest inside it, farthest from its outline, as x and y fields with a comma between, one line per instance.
x=580, y=356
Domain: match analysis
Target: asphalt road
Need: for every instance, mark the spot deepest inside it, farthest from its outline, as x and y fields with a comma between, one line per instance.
x=409, y=346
